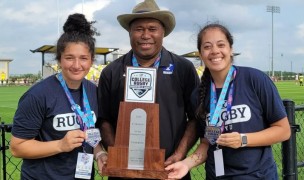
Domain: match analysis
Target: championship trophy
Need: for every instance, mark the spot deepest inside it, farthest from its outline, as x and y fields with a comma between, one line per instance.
x=136, y=152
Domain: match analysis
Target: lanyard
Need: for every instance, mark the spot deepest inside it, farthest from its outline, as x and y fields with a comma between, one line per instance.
x=85, y=118
x=216, y=105
x=156, y=62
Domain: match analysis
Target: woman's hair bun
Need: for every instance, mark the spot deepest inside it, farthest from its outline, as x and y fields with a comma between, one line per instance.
x=78, y=23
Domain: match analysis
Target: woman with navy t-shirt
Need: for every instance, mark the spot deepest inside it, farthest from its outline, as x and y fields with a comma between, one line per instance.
x=240, y=115
x=53, y=129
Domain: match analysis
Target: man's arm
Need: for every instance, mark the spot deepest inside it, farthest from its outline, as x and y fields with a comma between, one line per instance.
x=188, y=140
x=107, y=134
x=190, y=81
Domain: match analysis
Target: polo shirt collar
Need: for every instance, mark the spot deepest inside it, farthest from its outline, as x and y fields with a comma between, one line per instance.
x=164, y=61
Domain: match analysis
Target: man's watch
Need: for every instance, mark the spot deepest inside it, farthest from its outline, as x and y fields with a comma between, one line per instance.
x=243, y=140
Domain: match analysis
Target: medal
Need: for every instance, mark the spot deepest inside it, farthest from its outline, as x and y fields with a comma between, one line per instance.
x=212, y=133
x=93, y=137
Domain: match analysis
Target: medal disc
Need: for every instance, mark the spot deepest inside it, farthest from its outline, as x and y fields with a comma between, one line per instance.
x=93, y=137
x=212, y=133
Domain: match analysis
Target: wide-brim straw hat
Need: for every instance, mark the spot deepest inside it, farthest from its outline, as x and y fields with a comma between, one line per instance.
x=148, y=9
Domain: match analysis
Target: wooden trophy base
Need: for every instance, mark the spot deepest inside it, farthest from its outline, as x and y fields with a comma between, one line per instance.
x=118, y=163
x=154, y=157
x=127, y=173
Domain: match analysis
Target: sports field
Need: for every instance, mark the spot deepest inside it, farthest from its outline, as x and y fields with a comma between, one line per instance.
x=291, y=90
x=9, y=96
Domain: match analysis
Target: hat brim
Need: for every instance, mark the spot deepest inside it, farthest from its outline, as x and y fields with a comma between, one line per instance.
x=166, y=17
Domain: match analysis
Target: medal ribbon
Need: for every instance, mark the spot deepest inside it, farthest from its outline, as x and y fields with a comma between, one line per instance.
x=216, y=106
x=85, y=118
x=230, y=95
x=156, y=62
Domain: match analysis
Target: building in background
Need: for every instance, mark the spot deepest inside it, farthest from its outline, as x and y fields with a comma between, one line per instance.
x=4, y=70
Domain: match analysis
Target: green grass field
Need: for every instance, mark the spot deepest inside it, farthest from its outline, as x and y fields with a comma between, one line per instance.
x=9, y=97
x=291, y=90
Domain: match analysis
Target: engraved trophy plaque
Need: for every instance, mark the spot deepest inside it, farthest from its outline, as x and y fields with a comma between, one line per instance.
x=136, y=152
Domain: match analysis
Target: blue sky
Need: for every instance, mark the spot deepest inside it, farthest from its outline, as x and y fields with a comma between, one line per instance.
x=29, y=24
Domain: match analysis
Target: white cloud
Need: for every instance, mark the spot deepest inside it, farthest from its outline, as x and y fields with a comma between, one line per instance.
x=34, y=13
x=300, y=30
x=90, y=7
x=7, y=50
x=180, y=42
x=29, y=24
x=299, y=51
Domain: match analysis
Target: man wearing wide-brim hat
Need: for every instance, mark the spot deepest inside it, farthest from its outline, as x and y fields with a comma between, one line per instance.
x=148, y=9
x=176, y=79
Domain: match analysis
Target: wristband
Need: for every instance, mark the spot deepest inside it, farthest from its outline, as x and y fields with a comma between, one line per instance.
x=99, y=154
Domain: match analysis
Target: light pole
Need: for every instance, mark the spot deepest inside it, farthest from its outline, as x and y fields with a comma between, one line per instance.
x=82, y=6
x=272, y=9
x=291, y=66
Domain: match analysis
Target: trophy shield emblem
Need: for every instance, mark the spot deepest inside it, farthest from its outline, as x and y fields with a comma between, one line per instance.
x=140, y=83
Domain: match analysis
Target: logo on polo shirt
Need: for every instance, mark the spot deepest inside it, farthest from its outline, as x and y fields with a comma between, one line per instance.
x=169, y=69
